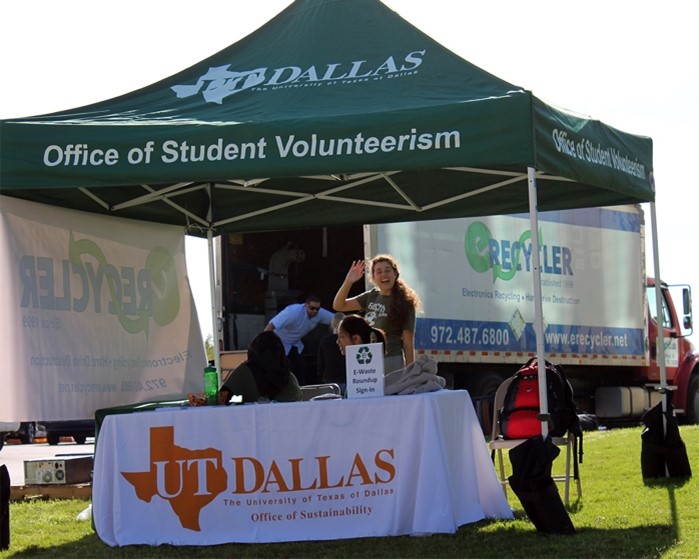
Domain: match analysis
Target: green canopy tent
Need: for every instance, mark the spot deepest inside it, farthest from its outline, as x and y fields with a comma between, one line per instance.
x=334, y=112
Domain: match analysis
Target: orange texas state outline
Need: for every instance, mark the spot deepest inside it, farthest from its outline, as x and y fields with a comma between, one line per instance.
x=188, y=479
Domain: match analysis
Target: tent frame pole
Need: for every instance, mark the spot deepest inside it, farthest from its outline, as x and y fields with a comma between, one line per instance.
x=660, y=334
x=212, y=286
x=214, y=317
x=660, y=339
x=538, y=305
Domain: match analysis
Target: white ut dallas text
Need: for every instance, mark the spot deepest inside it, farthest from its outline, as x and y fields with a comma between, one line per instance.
x=220, y=82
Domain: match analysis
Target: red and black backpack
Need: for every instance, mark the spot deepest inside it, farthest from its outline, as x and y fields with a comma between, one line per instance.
x=519, y=416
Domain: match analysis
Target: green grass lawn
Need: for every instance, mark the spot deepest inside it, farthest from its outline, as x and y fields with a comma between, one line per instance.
x=619, y=515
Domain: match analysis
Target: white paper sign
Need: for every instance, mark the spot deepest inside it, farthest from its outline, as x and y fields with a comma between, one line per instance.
x=364, y=370
x=672, y=353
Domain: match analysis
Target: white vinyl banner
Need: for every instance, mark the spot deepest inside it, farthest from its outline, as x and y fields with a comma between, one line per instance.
x=97, y=312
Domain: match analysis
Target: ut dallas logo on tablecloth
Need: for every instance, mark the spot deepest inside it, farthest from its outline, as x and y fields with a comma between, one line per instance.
x=188, y=479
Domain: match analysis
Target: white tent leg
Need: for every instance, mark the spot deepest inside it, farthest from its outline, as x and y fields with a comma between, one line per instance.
x=660, y=341
x=212, y=287
x=538, y=305
x=214, y=316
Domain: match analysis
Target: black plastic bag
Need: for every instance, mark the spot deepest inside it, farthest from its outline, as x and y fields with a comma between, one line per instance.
x=663, y=452
x=531, y=481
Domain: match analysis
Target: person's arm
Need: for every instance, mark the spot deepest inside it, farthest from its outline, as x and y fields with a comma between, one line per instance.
x=291, y=392
x=224, y=396
x=281, y=319
x=408, y=339
x=325, y=316
x=341, y=302
x=241, y=383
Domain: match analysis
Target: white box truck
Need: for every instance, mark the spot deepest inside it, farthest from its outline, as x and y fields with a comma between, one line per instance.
x=474, y=277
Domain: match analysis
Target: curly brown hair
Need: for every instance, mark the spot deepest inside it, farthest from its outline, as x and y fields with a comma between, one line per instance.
x=403, y=297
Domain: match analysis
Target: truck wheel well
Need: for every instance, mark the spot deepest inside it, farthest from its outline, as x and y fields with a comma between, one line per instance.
x=692, y=407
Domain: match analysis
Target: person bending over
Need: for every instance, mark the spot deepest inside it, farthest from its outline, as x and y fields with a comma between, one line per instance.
x=292, y=324
x=265, y=375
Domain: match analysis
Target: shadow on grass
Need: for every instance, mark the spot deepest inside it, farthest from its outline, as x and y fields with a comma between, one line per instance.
x=485, y=539
x=670, y=484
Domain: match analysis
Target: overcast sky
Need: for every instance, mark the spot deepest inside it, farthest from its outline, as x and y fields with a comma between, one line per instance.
x=631, y=64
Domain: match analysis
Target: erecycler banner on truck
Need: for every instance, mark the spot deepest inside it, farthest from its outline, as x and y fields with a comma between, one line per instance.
x=474, y=276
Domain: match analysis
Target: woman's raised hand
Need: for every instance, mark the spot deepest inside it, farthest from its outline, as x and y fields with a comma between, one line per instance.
x=356, y=271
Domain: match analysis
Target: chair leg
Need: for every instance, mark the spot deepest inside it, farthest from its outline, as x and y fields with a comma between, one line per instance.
x=576, y=475
x=501, y=468
x=566, y=493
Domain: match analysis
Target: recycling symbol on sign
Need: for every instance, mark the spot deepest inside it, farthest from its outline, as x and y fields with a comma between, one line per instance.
x=364, y=355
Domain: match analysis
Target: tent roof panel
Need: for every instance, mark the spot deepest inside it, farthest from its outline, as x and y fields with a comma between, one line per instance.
x=328, y=88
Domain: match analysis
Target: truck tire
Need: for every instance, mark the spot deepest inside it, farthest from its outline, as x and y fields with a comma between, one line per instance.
x=28, y=432
x=693, y=400
x=482, y=390
x=80, y=439
x=53, y=439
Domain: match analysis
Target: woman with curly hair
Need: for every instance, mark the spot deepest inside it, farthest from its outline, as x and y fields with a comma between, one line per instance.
x=390, y=306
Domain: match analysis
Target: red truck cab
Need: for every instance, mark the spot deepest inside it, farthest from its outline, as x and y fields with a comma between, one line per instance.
x=681, y=359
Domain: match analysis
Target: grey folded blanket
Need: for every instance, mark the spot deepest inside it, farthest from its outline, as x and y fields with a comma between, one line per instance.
x=418, y=377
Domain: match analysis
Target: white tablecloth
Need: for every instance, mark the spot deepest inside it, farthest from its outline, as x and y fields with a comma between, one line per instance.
x=323, y=470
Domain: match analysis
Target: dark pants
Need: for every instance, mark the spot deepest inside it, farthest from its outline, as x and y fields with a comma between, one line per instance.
x=297, y=365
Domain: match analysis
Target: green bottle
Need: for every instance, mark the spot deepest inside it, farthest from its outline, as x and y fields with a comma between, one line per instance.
x=211, y=386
